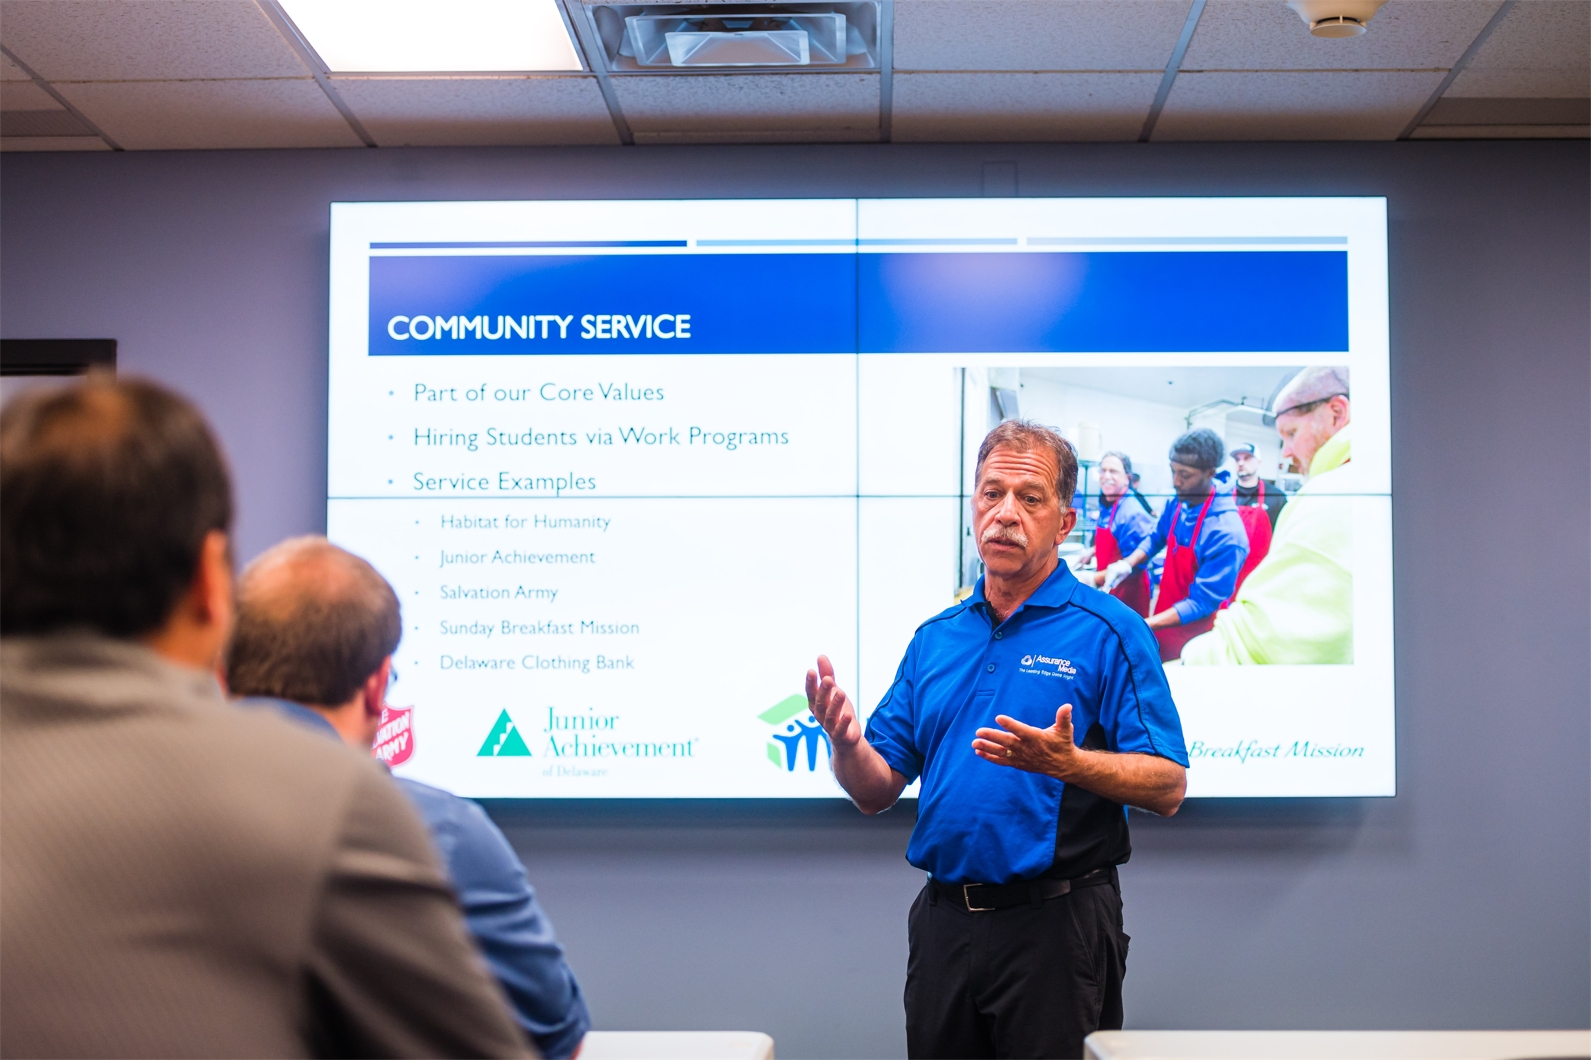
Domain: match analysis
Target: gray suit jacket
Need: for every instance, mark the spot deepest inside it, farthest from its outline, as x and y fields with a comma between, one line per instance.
x=182, y=878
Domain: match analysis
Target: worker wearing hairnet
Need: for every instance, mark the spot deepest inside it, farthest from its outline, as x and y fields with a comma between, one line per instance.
x=1297, y=605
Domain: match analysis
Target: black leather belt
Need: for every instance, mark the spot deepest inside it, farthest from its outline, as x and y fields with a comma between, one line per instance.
x=987, y=897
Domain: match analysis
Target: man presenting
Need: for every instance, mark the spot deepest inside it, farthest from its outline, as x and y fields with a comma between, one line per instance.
x=1205, y=545
x=1297, y=606
x=1034, y=713
x=316, y=630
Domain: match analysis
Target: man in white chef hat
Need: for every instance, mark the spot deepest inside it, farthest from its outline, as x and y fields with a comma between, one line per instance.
x=1296, y=606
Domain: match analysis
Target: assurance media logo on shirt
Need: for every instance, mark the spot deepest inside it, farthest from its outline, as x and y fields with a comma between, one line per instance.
x=1045, y=666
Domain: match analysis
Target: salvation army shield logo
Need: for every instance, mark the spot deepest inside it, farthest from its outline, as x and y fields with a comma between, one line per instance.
x=395, y=738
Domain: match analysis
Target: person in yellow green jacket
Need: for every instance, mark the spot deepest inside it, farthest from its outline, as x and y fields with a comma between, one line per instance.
x=1296, y=606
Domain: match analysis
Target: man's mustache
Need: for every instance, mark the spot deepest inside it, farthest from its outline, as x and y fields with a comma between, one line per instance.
x=1005, y=535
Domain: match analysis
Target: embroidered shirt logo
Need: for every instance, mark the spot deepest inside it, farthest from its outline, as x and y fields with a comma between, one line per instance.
x=1046, y=666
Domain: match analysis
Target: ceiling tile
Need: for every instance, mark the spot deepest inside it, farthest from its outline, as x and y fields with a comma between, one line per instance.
x=1036, y=34
x=1021, y=107
x=479, y=112
x=747, y=106
x=1268, y=35
x=25, y=95
x=1542, y=48
x=177, y=115
x=114, y=40
x=1329, y=105
x=10, y=71
x=53, y=143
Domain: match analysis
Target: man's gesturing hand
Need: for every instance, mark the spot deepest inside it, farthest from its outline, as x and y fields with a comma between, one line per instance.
x=1051, y=751
x=1133, y=779
x=861, y=771
x=831, y=707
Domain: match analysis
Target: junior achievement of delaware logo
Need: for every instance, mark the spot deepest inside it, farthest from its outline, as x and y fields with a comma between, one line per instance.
x=1045, y=666
x=793, y=734
x=504, y=740
x=580, y=734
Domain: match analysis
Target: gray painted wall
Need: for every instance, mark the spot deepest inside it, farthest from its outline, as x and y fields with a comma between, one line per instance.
x=1462, y=903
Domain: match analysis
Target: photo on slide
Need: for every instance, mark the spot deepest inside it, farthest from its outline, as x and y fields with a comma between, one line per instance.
x=1270, y=543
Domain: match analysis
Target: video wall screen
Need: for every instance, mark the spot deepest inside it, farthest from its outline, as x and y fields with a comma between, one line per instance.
x=632, y=465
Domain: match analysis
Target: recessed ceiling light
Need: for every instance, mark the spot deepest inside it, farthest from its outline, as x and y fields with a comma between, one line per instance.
x=434, y=36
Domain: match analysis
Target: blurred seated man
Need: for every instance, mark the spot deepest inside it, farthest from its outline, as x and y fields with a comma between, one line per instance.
x=179, y=878
x=1297, y=606
x=316, y=630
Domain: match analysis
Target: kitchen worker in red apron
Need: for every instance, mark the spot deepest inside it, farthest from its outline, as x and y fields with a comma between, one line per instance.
x=1258, y=504
x=1204, y=540
x=1125, y=522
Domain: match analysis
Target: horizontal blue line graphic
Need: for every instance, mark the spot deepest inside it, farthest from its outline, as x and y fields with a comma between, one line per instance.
x=533, y=243
x=992, y=242
x=776, y=242
x=1182, y=241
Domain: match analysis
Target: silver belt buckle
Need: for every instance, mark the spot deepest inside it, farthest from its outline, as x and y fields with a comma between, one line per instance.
x=966, y=898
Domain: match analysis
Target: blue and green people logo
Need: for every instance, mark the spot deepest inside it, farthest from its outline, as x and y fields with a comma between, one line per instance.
x=793, y=733
x=504, y=740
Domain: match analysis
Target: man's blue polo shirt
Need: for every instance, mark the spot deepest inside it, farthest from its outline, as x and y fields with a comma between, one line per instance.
x=978, y=822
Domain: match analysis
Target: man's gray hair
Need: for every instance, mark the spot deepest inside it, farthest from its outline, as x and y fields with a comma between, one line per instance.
x=1126, y=461
x=1023, y=435
x=1310, y=387
x=313, y=623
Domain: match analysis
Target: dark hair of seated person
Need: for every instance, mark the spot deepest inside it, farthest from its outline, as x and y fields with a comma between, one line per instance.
x=110, y=488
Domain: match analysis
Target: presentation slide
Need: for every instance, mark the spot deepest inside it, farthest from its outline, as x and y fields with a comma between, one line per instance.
x=631, y=466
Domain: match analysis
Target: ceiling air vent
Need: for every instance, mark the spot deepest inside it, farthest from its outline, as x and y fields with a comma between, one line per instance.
x=736, y=40
x=657, y=38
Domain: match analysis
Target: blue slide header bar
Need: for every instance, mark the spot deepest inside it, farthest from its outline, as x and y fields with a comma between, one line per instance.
x=613, y=303
x=1138, y=301
x=1114, y=302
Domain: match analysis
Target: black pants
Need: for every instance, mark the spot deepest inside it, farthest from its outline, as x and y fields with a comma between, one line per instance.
x=1030, y=981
